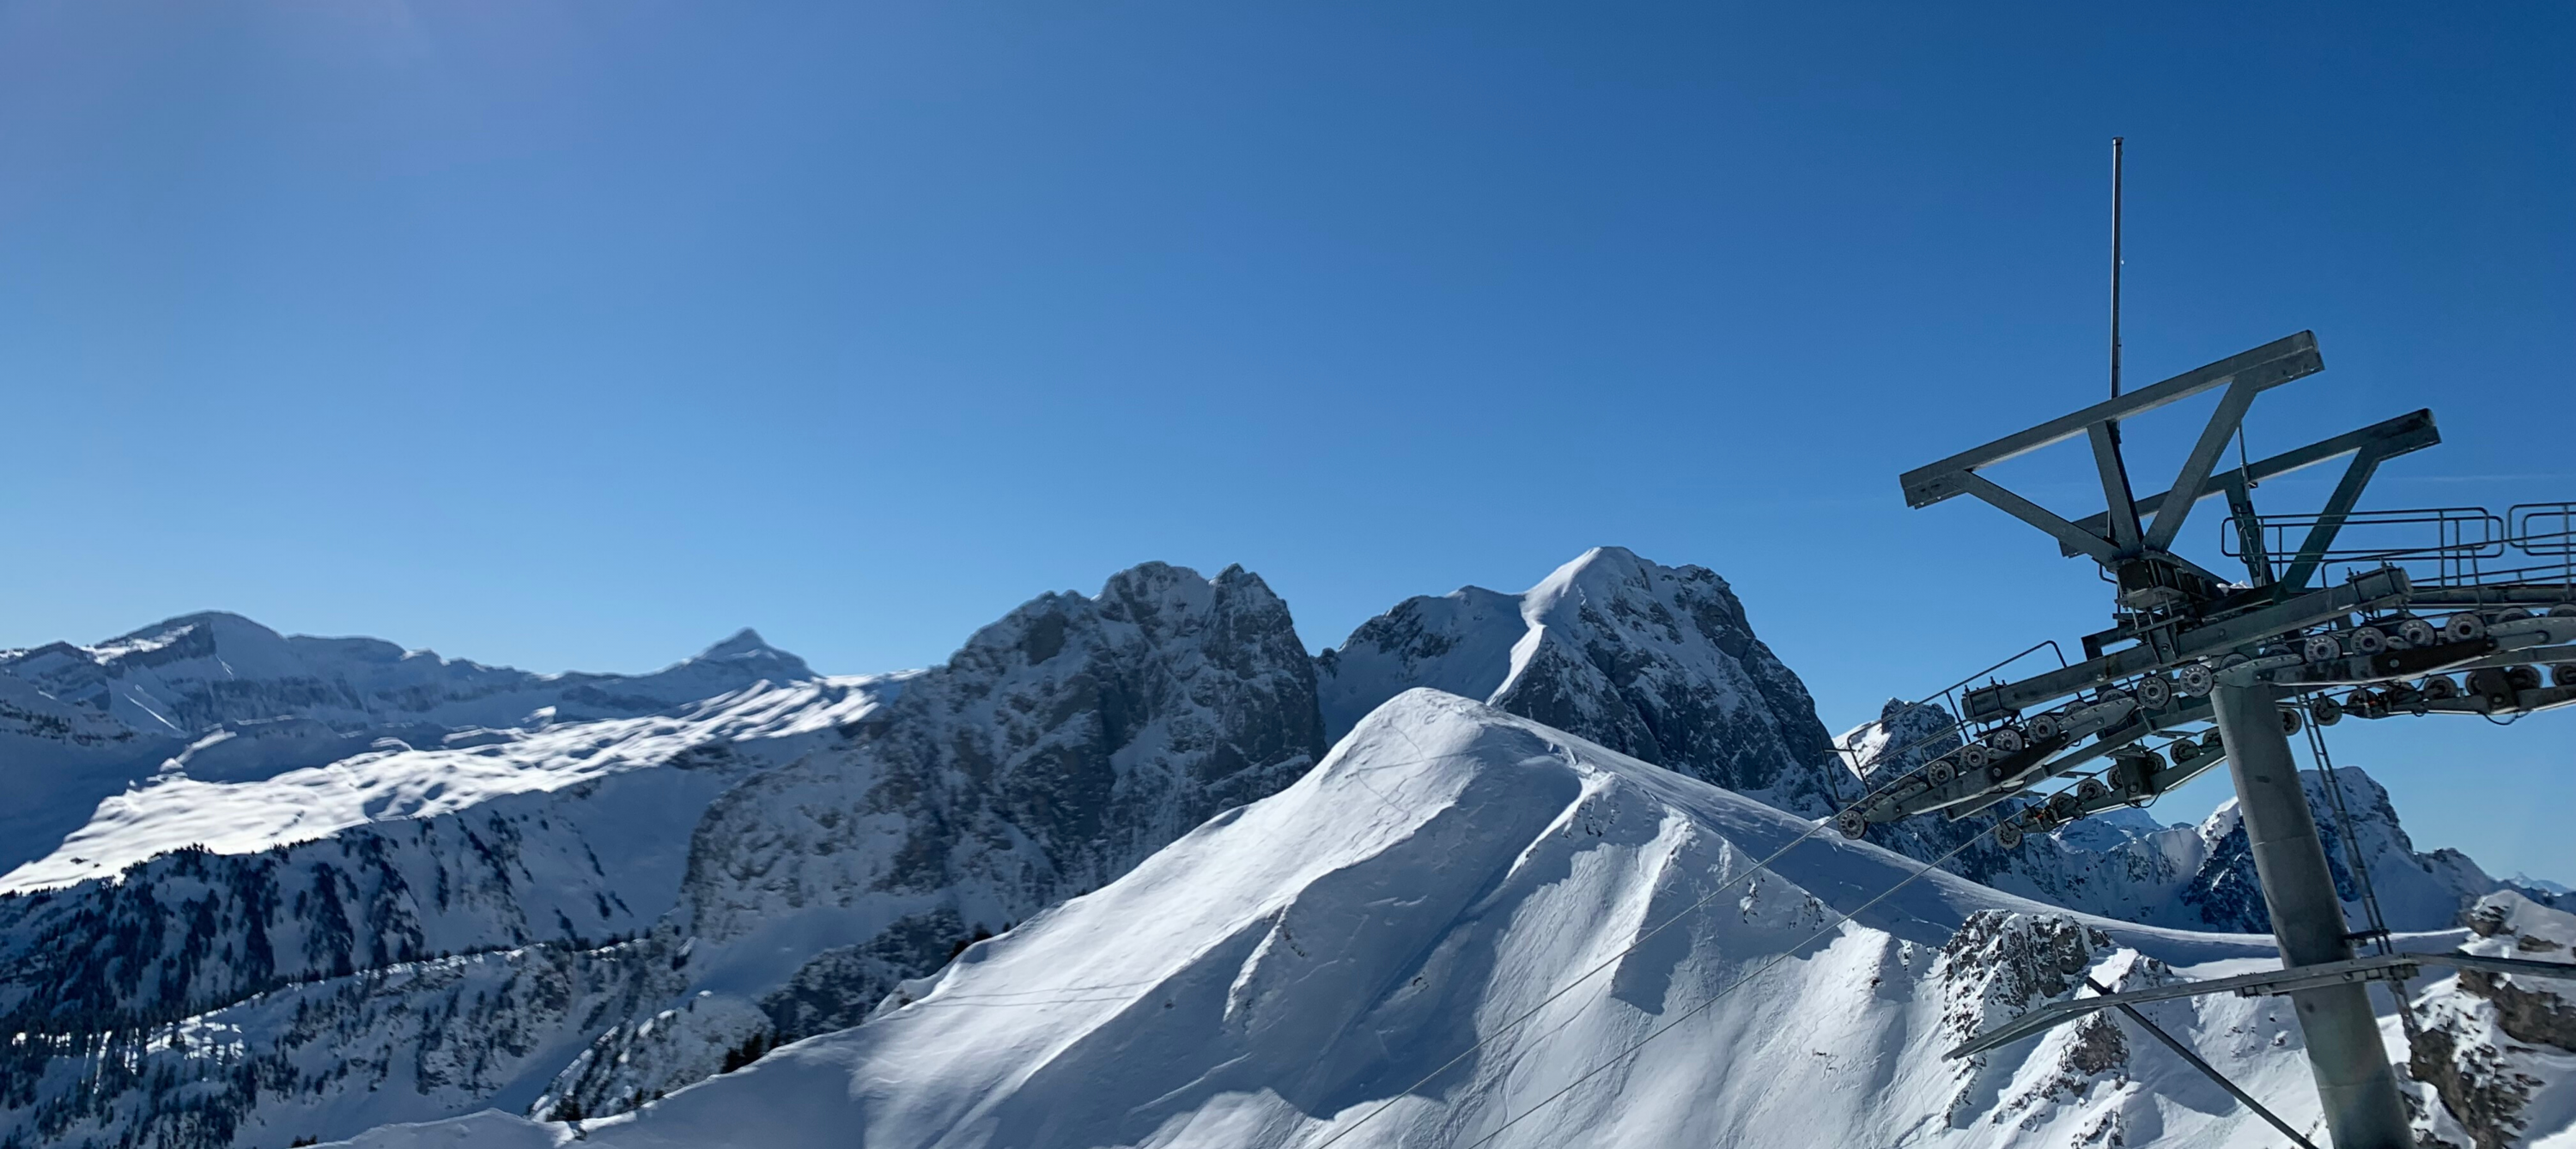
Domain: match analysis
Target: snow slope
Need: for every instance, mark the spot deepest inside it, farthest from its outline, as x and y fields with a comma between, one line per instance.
x=391, y=780
x=608, y=909
x=570, y=834
x=1300, y=969
x=1661, y=663
x=219, y=698
x=189, y=675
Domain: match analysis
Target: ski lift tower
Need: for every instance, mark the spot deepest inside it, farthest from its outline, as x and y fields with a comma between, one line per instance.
x=2256, y=659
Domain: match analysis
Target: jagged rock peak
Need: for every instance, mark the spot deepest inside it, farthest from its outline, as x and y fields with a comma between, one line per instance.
x=1654, y=661
x=746, y=650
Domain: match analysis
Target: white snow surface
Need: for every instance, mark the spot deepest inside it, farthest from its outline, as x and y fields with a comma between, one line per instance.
x=1291, y=972
x=395, y=781
x=219, y=698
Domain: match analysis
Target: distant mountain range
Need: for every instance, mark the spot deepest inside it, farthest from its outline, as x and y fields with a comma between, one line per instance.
x=268, y=887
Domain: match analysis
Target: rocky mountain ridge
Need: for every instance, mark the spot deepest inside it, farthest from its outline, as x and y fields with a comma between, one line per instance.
x=629, y=902
x=1245, y=987
x=574, y=917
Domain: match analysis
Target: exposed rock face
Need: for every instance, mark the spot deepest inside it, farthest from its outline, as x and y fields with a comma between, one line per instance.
x=2495, y=1049
x=634, y=904
x=1656, y=662
x=1060, y=747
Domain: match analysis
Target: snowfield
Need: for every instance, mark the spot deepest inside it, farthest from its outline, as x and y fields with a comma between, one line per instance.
x=1299, y=971
x=393, y=780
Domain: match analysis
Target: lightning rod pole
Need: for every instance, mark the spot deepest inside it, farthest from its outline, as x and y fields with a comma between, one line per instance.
x=2115, y=267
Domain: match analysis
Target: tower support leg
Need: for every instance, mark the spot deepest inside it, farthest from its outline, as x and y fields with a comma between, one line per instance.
x=2354, y=1081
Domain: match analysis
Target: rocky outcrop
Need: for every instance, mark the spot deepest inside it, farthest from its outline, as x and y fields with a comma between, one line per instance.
x=2493, y=1049
x=1656, y=662
x=1058, y=748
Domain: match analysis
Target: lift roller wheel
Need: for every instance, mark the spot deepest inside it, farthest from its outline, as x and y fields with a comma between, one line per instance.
x=2211, y=743
x=2463, y=627
x=2522, y=677
x=2367, y=640
x=1939, y=773
x=2290, y=720
x=2154, y=692
x=2197, y=679
x=2007, y=834
x=2324, y=710
x=1850, y=824
x=1974, y=756
x=2045, y=727
x=2320, y=648
x=2563, y=675
x=2439, y=688
x=2063, y=806
x=2005, y=741
x=2091, y=790
x=2417, y=632
x=2184, y=751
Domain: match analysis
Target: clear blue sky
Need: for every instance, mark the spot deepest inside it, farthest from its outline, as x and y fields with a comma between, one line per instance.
x=576, y=335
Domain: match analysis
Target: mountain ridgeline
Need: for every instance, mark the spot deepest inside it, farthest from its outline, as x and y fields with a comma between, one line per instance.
x=286, y=887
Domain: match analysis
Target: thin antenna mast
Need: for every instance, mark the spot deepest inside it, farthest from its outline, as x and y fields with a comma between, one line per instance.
x=2115, y=267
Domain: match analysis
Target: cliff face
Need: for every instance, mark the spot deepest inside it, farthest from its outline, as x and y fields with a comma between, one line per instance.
x=1058, y=748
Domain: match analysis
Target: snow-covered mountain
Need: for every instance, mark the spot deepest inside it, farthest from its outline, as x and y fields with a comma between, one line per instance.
x=1661, y=663
x=1060, y=747
x=578, y=916
x=219, y=698
x=1375, y=957
x=363, y=901
x=1656, y=662
x=190, y=675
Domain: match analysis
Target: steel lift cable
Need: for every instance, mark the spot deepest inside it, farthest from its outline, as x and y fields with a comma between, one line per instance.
x=1720, y=889
x=2378, y=933
x=2210, y=1071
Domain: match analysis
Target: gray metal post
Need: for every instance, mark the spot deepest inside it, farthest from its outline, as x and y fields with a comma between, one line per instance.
x=2354, y=1082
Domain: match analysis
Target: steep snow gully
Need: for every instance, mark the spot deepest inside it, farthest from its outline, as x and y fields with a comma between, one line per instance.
x=284, y=887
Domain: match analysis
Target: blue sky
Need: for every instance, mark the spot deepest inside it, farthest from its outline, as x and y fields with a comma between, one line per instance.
x=577, y=335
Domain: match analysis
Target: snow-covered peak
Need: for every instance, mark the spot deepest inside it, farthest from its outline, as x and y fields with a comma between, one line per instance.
x=1289, y=973
x=1655, y=661
x=188, y=676
x=747, y=648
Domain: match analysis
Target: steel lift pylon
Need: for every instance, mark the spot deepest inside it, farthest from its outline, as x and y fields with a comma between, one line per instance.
x=2253, y=660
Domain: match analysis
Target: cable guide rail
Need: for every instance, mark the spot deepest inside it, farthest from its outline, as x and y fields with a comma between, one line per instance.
x=2382, y=967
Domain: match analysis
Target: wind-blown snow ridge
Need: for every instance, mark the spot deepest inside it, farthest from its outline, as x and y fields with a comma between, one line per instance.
x=397, y=781
x=1297, y=963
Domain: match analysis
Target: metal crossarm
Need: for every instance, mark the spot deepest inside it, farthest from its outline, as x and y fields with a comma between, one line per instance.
x=2264, y=368
x=2413, y=431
